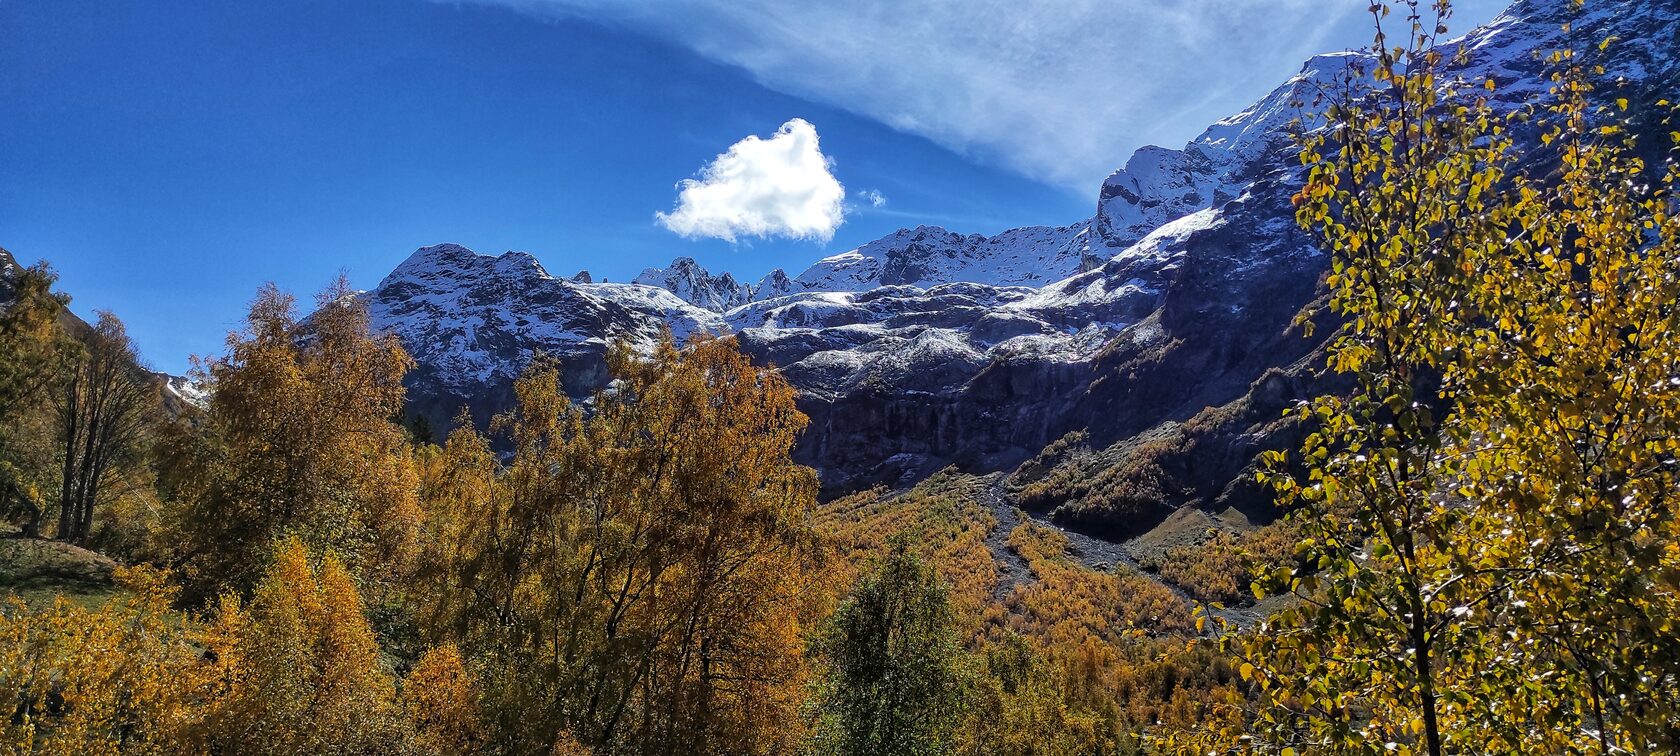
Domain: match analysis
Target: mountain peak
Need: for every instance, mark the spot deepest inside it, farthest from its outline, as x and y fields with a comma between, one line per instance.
x=433, y=258
x=927, y=346
x=774, y=284
x=692, y=283
x=519, y=262
x=446, y=252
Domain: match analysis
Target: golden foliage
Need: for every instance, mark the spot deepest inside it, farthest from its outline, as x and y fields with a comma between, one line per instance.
x=1068, y=603
x=298, y=668
x=1490, y=514
x=34, y=352
x=1225, y=566
x=118, y=679
x=1123, y=644
x=441, y=703
x=1072, y=661
x=299, y=439
x=945, y=519
x=639, y=574
x=1139, y=485
x=296, y=671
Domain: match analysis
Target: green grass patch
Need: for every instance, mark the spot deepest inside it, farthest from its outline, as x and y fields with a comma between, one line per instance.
x=38, y=570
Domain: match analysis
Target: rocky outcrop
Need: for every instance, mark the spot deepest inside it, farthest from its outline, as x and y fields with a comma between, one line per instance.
x=9, y=270
x=694, y=285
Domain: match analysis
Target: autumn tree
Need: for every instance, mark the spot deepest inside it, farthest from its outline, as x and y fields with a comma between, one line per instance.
x=1021, y=707
x=29, y=319
x=892, y=681
x=33, y=353
x=635, y=578
x=456, y=481
x=1490, y=520
x=297, y=669
x=440, y=701
x=299, y=438
x=103, y=406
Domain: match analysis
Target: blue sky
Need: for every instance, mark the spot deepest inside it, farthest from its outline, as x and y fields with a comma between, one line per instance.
x=168, y=156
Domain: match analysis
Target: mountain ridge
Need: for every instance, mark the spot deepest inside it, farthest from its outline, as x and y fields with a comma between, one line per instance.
x=928, y=348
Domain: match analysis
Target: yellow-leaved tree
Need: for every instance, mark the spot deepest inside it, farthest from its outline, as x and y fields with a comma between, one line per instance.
x=34, y=354
x=636, y=578
x=1492, y=548
x=299, y=666
x=299, y=439
x=441, y=703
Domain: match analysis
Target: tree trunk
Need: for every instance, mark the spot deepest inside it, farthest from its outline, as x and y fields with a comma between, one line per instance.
x=94, y=431
x=90, y=496
x=71, y=415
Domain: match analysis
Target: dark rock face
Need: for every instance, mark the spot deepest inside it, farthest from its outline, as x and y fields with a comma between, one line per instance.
x=1208, y=311
x=1195, y=306
x=9, y=270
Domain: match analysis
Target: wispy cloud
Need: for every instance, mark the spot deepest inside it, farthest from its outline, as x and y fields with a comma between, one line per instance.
x=874, y=197
x=776, y=187
x=1058, y=90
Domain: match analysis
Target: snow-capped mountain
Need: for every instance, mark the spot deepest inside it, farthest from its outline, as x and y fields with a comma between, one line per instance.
x=692, y=284
x=928, y=347
x=924, y=257
x=927, y=256
x=473, y=323
x=774, y=284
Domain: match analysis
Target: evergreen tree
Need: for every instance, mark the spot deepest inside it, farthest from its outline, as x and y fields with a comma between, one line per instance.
x=893, y=681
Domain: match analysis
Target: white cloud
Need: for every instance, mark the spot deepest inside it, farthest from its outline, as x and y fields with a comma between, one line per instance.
x=779, y=186
x=1057, y=90
x=874, y=197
